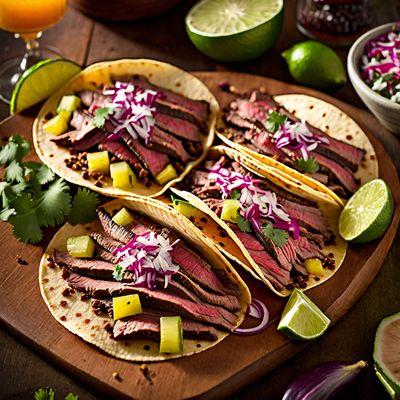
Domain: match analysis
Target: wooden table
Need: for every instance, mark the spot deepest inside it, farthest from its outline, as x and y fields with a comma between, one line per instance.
x=86, y=41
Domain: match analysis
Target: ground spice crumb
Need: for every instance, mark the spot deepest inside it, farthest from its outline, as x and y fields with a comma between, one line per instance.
x=45, y=280
x=21, y=261
x=63, y=318
x=67, y=291
x=84, y=297
x=78, y=314
x=146, y=373
x=117, y=376
x=86, y=321
x=63, y=303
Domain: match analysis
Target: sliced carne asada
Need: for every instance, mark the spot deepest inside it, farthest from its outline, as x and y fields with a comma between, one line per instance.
x=179, y=127
x=80, y=140
x=154, y=161
x=112, y=229
x=154, y=299
x=147, y=326
x=119, y=150
x=166, y=143
x=93, y=98
x=81, y=120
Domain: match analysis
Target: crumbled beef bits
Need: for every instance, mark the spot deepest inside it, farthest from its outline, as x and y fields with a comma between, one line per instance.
x=117, y=376
x=21, y=261
x=63, y=318
x=144, y=369
x=67, y=291
x=50, y=262
x=63, y=303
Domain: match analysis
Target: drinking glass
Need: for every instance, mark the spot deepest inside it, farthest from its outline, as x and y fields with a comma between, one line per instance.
x=27, y=19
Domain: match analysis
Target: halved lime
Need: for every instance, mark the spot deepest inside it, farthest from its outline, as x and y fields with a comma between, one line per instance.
x=40, y=81
x=302, y=319
x=387, y=352
x=368, y=213
x=234, y=30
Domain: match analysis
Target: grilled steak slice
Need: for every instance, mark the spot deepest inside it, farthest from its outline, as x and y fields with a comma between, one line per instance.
x=199, y=178
x=163, y=142
x=154, y=161
x=106, y=242
x=159, y=299
x=310, y=217
x=179, y=127
x=93, y=98
x=147, y=326
x=120, y=151
x=81, y=140
x=341, y=174
x=80, y=120
x=112, y=229
x=198, y=108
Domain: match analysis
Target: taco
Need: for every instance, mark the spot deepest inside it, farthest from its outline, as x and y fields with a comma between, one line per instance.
x=286, y=237
x=152, y=121
x=160, y=256
x=305, y=138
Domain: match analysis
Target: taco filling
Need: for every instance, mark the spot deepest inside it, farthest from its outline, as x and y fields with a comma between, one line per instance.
x=145, y=259
x=283, y=233
x=155, y=131
x=261, y=124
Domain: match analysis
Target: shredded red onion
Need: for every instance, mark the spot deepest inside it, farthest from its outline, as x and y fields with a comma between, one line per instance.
x=297, y=136
x=147, y=256
x=133, y=110
x=380, y=64
x=255, y=203
x=259, y=310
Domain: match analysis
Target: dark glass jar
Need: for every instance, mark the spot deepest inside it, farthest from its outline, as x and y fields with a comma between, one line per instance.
x=337, y=22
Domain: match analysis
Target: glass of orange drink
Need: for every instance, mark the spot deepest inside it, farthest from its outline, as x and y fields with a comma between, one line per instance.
x=26, y=19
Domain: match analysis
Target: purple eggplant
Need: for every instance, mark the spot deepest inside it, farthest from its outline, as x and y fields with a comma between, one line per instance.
x=323, y=381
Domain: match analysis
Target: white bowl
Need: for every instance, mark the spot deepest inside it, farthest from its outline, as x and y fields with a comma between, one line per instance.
x=385, y=110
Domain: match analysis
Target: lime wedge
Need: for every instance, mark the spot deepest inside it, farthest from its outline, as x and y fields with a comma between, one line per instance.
x=387, y=353
x=302, y=319
x=40, y=81
x=387, y=385
x=368, y=213
x=234, y=30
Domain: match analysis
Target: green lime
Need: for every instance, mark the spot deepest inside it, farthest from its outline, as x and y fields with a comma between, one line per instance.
x=387, y=353
x=314, y=64
x=234, y=30
x=40, y=81
x=368, y=213
x=302, y=319
x=387, y=385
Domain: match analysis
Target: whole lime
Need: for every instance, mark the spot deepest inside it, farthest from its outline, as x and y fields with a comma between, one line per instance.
x=234, y=30
x=314, y=64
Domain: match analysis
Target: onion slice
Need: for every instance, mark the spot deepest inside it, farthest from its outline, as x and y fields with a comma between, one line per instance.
x=259, y=310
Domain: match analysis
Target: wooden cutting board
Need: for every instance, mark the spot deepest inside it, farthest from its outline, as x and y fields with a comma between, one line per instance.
x=228, y=366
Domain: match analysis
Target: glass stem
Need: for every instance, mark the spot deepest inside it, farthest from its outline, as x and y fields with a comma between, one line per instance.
x=32, y=54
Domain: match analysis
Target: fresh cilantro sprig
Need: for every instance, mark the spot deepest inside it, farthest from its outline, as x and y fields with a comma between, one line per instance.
x=274, y=121
x=33, y=197
x=100, y=116
x=235, y=194
x=311, y=166
x=278, y=236
x=49, y=393
x=243, y=224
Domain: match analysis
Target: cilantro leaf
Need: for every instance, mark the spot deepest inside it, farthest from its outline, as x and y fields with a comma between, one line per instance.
x=44, y=174
x=16, y=148
x=6, y=213
x=100, y=116
x=311, y=166
x=14, y=172
x=19, y=188
x=71, y=396
x=84, y=206
x=6, y=194
x=274, y=121
x=278, y=236
x=243, y=224
x=235, y=194
x=54, y=204
x=118, y=272
x=25, y=222
x=45, y=394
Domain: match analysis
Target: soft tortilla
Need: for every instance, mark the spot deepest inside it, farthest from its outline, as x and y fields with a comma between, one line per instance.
x=332, y=121
x=158, y=73
x=51, y=285
x=327, y=206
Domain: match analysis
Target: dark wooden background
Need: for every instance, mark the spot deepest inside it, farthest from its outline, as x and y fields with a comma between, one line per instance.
x=86, y=41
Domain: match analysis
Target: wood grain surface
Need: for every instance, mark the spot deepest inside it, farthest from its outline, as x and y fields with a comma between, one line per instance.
x=220, y=371
x=85, y=40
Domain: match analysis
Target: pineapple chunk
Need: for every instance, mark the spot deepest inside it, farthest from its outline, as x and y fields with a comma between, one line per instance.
x=122, y=175
x=314, y=266
x=80, y=246
x=185, y=208
x=99, y=162
x=56, y=125
x=122, y=217
x=171, y=335
x=230, y=210
x=69, y=102
x=124, y=306
x=166, y=175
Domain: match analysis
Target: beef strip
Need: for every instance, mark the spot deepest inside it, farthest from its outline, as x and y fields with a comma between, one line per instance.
x=179, y=127
x=80, y=119
x=93, y=98
x=159, y=299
